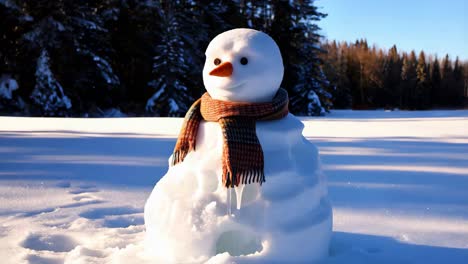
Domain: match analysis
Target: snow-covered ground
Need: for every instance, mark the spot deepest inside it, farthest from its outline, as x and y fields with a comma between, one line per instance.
x=73, y=190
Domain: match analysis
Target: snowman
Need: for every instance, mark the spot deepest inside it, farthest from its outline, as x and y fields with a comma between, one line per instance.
x=243, y=183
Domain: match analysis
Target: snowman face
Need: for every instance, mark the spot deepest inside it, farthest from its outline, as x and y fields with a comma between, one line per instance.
x=243, y=65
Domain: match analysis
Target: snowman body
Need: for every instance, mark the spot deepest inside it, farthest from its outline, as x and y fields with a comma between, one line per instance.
x=191, y=217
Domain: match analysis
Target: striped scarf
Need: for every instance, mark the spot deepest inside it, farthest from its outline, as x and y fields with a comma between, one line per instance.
x=242, y=160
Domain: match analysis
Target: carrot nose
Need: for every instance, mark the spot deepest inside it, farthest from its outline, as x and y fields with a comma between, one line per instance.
x=223, y=70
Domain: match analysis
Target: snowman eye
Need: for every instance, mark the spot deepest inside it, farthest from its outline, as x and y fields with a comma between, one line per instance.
x=244, y=61
x=217, y=61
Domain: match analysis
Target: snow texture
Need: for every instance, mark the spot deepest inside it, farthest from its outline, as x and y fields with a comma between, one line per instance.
x=190, y=210
x=73, y=190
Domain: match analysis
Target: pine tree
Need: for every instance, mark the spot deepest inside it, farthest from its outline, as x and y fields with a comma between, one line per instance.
x=448, y=93
x=370, y=69
x=392, y=76
x=294, y=30
x=48, y=94
x=378, y=79
x=361, y=56
x=409, y=80
x=343, y=82
x=458, y=82
x=171, y=68
x=465, y=81
x=133, y=28
x=76, y=44
x=423, y=95
x=258, y=13
x=11, y=20
x=334, y=68
x=105, y=53
x=353, y=75
x=435, y=83
x=382, y=93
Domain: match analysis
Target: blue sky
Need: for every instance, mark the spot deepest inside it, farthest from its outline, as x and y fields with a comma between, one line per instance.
x=436, y=26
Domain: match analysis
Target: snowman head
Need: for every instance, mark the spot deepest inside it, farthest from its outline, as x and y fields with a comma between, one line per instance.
x=243, y=65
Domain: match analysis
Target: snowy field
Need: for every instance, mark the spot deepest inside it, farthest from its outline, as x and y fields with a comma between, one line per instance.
x=73, y=190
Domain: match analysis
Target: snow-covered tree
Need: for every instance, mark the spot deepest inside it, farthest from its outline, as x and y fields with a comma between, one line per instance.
x=117, y=54
x=77, y=44
x=48, y=93
x=172, y=66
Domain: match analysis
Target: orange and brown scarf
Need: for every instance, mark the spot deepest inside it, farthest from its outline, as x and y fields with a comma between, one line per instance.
x=242, y=153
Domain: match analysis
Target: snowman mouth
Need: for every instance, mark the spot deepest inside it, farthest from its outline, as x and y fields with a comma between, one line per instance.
x=233, y=87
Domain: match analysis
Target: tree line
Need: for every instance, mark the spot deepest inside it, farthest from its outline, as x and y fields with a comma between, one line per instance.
x=144, y=58
x=364, y=77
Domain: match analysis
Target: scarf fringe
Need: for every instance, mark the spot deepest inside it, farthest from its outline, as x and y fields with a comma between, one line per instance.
x=234, y=178
x=179, y=156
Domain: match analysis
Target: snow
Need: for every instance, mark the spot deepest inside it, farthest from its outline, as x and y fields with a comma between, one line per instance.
x=152, y=101
x=9, y=4
x=315, y=103
x=73, y=190
x=88, y=24
x=105, y=68
x=7, y=86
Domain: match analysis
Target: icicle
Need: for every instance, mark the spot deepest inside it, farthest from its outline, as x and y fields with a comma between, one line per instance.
x=239, y=189
x=229, y=202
